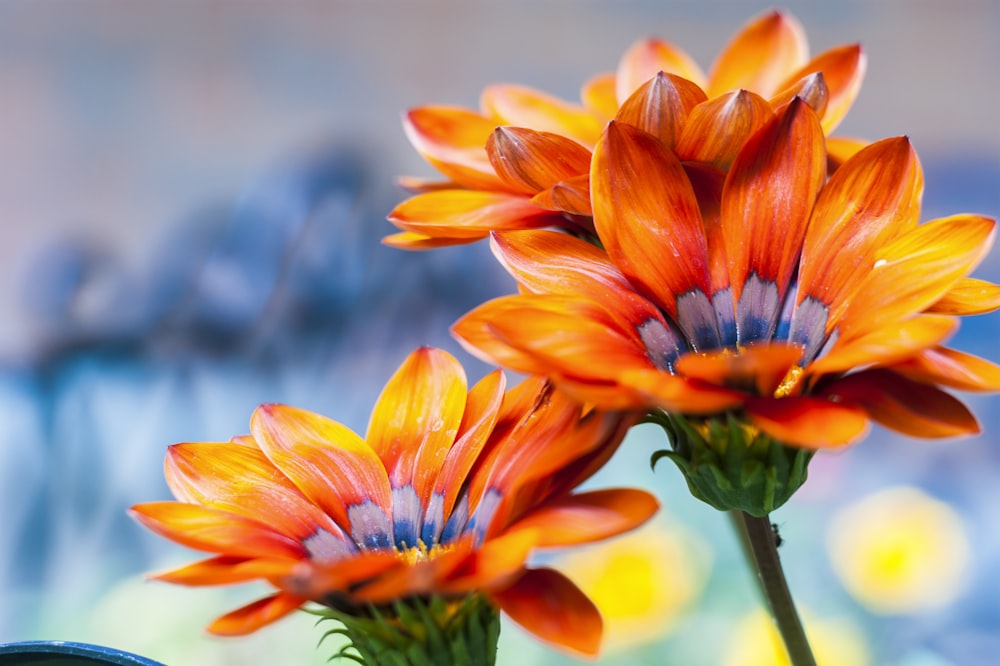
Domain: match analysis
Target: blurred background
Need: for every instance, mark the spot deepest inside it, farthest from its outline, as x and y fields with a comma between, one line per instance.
x=192, y=197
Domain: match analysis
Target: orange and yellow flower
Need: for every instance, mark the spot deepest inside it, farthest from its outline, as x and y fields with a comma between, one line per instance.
x=446, y=497
x=804, y=305
x=523, y=160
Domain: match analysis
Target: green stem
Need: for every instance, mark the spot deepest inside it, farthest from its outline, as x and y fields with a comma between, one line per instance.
x=764, y=557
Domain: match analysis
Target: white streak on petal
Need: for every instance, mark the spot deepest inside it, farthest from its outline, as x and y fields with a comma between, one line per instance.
x=662, y=344
x=370, y=527
x=757, y=310
x=697, y=319
x=407, y=516
x=324, y=547
x=808, y=327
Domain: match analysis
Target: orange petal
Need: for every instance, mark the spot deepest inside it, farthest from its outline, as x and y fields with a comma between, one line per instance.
x=916, y=270
x=809, y=422
x=718, y=128
x=843, y=69
x=569, y=196
x=215, y=531
x=415, y=420
x=952, y=368
x=766, y=203
x=644, y=59
x=811, y=88
x=872, y=198
x=481, y=411
x=547, y=262
x=530, y=161
x=661, y=106
x=551, y=607
x=343, y=577
x=453, y=140
x=647, y=215
x=252, y=617
x=598, y=97
x=889, y=344
x=587, y=517
x=679, y=394
x=241, y=479
x=525, y=107
x=328, y=462
x=226, y=569
x=466, y=215
x=905, y=406
x=760, y=56
x=968, y=296
x=411, y=240
x=493, y=563
x=758, y=368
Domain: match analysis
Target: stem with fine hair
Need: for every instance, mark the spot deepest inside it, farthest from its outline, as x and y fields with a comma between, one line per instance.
x=763, y=551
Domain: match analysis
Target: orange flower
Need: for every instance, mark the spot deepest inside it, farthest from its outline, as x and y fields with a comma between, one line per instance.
x=804, y=306
x=522, y=161
x=446, y=497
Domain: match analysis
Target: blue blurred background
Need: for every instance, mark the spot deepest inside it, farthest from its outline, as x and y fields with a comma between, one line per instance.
x=192, y=197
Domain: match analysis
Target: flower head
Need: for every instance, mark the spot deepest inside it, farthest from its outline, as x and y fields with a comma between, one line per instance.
x=803, y=305
x=445, y=498
x=523, y=160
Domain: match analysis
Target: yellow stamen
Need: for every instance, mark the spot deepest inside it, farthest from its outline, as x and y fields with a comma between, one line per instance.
x=790, y=382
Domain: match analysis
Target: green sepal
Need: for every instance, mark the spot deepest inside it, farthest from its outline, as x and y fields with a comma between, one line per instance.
x=731, y=465
x=418, y=632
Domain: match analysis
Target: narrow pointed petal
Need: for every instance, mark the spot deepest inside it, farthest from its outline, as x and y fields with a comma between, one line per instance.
x=645, y=59
x=811, y=88
x=871, y=199
x=760, y=56
x=415, y=420
x=758, y=368
x=569, y=196
x=707, y=182
x=411, y=240
x=969, y=296
x=252, y=617
x=227, y=569
x=525, y=107
x=587, y=517
x=951, y=368
x=467, y=215
x=718, y=128
x=906, y=406
x=494, y=563
x=215, y=531
x=453, y=140
x=598, y=97
x=661, y=106
x=916, y=270
x=328, y=462
x=241, y=479
x=529, y=161
x=808, y=422
x=843, y=70
x=889, y=344
x=766, y=203
x=551, y=607
x=647, y=215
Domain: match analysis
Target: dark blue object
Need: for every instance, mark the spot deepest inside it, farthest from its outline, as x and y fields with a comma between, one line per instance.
x=65, y=653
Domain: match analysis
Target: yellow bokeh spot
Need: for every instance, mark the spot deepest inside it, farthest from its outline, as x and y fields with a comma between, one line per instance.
x=641, y=582
x=899, y=551
x=756, y=642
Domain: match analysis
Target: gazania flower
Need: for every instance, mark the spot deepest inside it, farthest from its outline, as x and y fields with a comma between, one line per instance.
x=804, y=306
x=522, y=161
x=444, y=499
